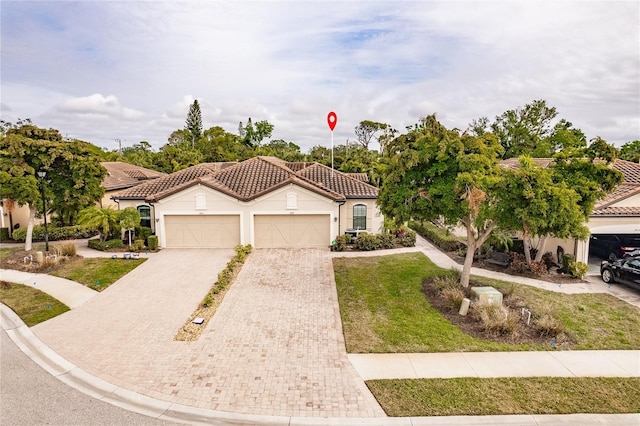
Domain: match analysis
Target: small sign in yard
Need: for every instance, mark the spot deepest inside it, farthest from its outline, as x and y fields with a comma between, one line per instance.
x=198, y=320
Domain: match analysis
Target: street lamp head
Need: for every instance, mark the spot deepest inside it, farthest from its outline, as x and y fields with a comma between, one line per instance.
x=42, y=174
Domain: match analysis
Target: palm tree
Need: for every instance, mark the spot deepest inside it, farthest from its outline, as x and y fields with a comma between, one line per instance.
x=104, y=219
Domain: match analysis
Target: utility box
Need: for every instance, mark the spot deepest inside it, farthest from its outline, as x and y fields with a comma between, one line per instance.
x=487, y=295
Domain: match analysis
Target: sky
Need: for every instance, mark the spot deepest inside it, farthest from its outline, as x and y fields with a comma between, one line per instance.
x=127, y=71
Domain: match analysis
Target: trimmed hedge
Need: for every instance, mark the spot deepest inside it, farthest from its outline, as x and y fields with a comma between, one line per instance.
x=55, y=233
x=438, y=236
x=152, y=241
x=4, y=234
x=105, y=245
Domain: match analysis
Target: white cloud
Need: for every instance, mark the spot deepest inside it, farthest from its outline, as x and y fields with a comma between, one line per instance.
x=130, y=70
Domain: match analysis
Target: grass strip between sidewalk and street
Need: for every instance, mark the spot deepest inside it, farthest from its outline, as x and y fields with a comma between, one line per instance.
x=507, y=396
x=30, y=304
x=383, y=310
x=96, y=273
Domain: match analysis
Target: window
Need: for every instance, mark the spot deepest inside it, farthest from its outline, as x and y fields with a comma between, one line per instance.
x=292, y=201
x=359, y=216
x=145, y=216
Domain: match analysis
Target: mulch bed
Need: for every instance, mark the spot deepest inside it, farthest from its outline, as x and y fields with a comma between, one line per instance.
x=525, y=334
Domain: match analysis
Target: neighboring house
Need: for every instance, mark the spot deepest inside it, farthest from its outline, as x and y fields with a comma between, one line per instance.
x=618, y=213
x=263, y=201
x=119, y=176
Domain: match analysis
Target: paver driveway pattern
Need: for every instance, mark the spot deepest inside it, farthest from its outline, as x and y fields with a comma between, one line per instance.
x=274, y=347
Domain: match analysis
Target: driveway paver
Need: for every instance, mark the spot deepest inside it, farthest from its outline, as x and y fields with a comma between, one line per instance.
x=274, y=347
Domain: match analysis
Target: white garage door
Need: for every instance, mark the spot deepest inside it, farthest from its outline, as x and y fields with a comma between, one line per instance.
x=202, y=231
x=278, y=231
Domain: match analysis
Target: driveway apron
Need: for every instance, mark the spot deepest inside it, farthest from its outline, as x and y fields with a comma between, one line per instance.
x=274, y=347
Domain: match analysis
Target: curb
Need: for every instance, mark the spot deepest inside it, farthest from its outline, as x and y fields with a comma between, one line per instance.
x=104, y=391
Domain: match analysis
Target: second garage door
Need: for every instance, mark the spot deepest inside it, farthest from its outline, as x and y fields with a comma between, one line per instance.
x=278, y=231
x=202, y=231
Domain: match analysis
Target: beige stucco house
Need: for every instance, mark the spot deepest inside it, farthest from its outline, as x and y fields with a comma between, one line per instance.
x=263, y=201
x=618, y=213
x=119, y=176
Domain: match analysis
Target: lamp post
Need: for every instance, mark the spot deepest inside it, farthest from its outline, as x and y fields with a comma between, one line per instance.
x=41, y=175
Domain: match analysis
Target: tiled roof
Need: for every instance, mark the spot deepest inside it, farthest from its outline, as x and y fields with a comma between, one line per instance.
x=617, y=211
x=360, y=176
x=253, y=178
x=123, y=175
x=339, y=182
x=170, y=182
x=629, y=169
x=514, y=163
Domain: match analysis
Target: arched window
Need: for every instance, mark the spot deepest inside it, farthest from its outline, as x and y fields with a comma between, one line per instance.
x=145, y=216
x=359, y=216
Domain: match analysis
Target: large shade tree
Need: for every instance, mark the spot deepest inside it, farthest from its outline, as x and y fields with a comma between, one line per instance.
x=73, y=172
x=435, y=173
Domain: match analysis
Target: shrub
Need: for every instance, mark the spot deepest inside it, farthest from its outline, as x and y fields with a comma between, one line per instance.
x=547, y=258
x=443, y=283
x=495, y=318
x=367, y=242
x=143, y=233
x=579, y=269
x=105, y=245
x=538, y=268
x=438, y=236
x=548, y=326
x=152, y=242
x=66, y=249
x=406, y=237
x=386, y=241
x=4, y=234
x=567, y=261
x=453, y=296
x=56, y=233
x=518, y=263
x=138, y=245
x=341, y=242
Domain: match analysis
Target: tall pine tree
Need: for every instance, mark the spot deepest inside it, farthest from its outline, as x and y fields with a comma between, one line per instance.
x=194, y=122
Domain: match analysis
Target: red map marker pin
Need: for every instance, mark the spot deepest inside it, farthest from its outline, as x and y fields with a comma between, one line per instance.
x=332, y=120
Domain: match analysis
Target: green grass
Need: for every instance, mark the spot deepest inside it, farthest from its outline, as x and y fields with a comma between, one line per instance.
x=30, y=304
x=383, y=310
x=97, y=273
x=502, y=396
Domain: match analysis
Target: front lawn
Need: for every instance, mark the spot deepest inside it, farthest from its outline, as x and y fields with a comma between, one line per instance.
x=384, y=310
x=96, y=273
x=504, y=396
x=30, y=304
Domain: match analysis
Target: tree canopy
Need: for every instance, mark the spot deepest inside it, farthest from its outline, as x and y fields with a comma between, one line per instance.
x=435, y=173
x=193, y=124
x=73, y=172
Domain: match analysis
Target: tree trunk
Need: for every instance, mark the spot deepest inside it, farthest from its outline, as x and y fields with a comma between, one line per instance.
x=29, y=237
x=527, y=251
x=542, y=244
x=472, y=244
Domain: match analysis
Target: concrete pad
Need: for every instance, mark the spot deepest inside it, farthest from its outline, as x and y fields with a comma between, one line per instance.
x=536, y=364
x=491, y=364
x=588, y=419
x=592, y=364
x=441, y=365
x=382, y=366
x=350, y=421
x=523, y=420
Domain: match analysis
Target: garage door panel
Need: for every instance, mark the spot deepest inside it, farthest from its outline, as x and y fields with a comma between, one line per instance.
x=202, y=231
x=276, y=231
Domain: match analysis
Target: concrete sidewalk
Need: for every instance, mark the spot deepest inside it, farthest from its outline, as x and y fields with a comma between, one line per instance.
x=68, y=292
x=497, y=364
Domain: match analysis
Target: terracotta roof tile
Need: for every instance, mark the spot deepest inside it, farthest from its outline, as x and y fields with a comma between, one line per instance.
x=617, y=211
x=123, y=175
x=339, y=182
x=174, y=181
x=255, y=177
